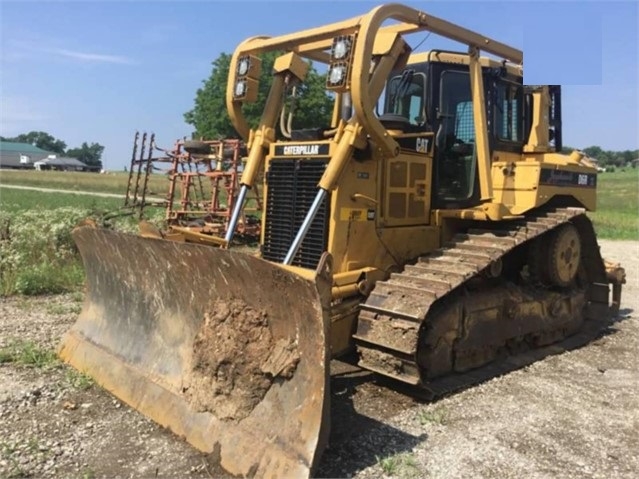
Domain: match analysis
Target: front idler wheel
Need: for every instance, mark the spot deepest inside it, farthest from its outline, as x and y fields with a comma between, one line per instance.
x=555, y=257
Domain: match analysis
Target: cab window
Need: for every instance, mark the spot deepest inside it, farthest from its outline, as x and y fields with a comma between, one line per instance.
x=405, y=97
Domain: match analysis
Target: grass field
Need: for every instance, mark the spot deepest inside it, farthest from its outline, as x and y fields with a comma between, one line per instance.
x=20, y=200
x=115, y=182
x=617, y=215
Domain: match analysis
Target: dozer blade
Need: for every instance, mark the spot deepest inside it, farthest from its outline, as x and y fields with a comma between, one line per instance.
x=223, y=348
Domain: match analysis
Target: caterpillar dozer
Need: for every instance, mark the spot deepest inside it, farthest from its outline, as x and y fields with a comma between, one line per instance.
x=434, y=227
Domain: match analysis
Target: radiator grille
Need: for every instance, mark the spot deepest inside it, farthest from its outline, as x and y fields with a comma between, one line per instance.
x=292, y=187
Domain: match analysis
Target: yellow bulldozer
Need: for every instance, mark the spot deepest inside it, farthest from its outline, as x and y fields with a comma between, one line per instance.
x=434, y=227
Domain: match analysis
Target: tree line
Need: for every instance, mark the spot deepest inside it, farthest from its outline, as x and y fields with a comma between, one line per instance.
x=89, y=154
x=611, y=158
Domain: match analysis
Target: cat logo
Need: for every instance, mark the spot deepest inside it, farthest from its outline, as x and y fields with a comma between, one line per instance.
x=421, y=145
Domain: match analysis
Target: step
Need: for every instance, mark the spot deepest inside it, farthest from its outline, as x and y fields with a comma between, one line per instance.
x=411, y=303
x=473, y=248
x=405, y=378
x=465, y=271
x=376, y=305
x=421, y=270
x=453, y=265
x=433, y=283
x=485, y=253
x=414, y=286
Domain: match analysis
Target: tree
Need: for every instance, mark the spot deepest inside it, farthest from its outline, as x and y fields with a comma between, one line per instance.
x=211, y=120
x=594, y=152
x=42, y=140
x=628, y=156
x=88, y=154
x=613, y=158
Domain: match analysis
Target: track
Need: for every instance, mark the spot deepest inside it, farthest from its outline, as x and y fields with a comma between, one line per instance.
x=442, y=322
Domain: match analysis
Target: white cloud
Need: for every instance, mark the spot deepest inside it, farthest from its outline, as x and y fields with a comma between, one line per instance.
x=92, y=57
x=19, y=49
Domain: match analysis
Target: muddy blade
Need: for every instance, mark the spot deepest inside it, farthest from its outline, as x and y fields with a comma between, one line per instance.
x=224, y=349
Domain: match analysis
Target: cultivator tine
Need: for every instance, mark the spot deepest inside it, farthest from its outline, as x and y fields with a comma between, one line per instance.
x=130, y=179
x=147, y=171
x=186, y=187
x=170, y=196
x=192, y=190
x=139, y=169
x=199, y=181
x=215, y=180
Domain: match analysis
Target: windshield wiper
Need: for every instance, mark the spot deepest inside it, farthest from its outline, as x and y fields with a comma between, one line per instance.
x=402, y=88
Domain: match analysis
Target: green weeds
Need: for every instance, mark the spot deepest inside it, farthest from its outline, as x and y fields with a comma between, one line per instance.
x=400, y=465
x=436, y=416
x=27, y=353
x=62, y=309
x=78, y=380
x=37, y=253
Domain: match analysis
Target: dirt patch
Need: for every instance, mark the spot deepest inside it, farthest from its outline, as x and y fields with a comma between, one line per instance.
x=236, y=359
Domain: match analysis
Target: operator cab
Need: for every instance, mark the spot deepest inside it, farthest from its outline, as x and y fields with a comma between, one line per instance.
x=433, y=94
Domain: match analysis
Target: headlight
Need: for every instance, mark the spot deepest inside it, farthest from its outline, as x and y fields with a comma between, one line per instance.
x=240, y=88
x=243, y=66
x=337, y=74
x=247, y=78
x=339, y=67
x=341, y=47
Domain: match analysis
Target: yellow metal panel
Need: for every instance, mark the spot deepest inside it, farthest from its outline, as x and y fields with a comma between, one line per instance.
x=384, y=42
x=410, y=241
x=515, y=184
x=352, y=214
x=358, y=236
x=538, y=140
x=518, y=184
x=463, y=59
x=293, y=63
x=481, y=132
x=407, y=181
x=352, y=238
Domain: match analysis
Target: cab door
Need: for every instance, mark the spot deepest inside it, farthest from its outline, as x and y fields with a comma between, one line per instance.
x=407, y=178
x=456, y=180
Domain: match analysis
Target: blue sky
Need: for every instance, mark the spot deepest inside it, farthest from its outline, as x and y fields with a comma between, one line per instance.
x=97, y=71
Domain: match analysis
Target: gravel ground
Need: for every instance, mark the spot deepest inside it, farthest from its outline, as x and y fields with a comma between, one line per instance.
x=571, y=415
